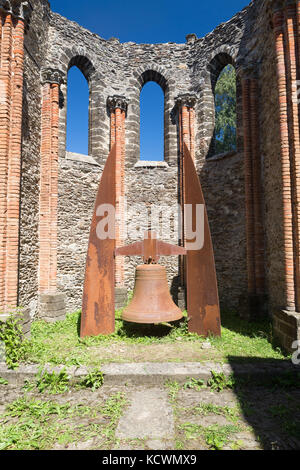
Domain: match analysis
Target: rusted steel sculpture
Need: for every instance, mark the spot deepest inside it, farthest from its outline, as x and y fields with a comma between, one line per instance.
x=98, y=309
x=152, y=301
x=201, y=280
x=98, y=305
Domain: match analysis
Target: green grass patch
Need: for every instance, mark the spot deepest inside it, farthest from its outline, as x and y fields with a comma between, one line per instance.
x=30, y=424
x=240, y=340
x=215, y=437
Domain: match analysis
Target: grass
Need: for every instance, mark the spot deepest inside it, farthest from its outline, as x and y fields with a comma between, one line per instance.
x=31, y=424
x=240, y=339
x=215, y=437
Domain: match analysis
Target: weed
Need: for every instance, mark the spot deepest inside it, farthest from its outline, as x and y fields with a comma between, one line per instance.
x=173, y=388
x=93, y=380
x=12, y=336
x=218, y=436
x=50, y=382
x=112, y=409
x=3, y=381
x=196, y=384
x=219, y=381
x=208, y=408
x=36, y=427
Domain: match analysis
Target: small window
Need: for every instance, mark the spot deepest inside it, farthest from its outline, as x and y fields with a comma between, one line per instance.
x=225, y=111
x=152, y=123
x=77, y=112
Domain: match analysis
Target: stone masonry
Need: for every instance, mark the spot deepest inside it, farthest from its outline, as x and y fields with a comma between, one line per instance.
x=47, y=195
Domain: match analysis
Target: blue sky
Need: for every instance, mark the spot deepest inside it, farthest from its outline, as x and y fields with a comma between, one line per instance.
x=142, y=22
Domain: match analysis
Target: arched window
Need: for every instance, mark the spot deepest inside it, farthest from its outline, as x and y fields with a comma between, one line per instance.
x=77, y=112
x=225, y=111
x=152, y=122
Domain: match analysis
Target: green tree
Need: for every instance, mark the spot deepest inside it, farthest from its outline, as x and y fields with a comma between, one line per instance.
x=225, y=102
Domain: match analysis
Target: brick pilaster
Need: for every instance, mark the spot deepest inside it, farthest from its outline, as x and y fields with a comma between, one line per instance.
x=278, y=22
x=13, y=18
x=292, y=63
x=51, y=80
x=257, y=190
x=248, y=170
x=118, y=108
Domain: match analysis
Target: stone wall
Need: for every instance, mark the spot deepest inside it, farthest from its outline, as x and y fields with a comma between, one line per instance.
x=114, y=68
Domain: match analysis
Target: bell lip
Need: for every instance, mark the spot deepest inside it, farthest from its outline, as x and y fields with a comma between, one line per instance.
x=150, y=321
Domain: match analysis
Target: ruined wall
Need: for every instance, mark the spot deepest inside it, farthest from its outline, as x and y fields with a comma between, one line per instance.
x=36, y=44
x=123, y=69
x=113, y=68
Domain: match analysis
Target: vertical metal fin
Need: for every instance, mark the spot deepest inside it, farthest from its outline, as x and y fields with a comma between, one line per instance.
x=202, y=290
x=98, y=305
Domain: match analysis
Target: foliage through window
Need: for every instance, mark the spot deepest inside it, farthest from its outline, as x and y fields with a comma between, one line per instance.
x=225, y=106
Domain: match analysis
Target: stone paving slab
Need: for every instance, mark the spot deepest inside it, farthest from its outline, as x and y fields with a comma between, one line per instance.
x=149, y=416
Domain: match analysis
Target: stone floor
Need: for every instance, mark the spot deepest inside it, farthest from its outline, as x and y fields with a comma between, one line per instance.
x=170, y=416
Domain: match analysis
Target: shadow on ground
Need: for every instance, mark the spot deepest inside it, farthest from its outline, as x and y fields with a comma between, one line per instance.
x=270, y=401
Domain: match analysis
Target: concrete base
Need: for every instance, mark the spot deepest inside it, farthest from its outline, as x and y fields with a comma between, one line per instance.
x=120, y=297
x=253, y=307
x=155, y=373
x=286, y=328
x=52, y=307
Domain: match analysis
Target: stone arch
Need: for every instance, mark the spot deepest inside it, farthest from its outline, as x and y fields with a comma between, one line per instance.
x=97, y=114
x=216, y=65
x=222, y=56
x=167, y=84
x=84, y=64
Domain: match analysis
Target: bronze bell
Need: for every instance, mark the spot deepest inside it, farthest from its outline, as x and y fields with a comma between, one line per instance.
x=152, y=301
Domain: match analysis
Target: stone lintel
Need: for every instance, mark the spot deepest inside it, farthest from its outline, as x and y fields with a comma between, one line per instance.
x=151, y=164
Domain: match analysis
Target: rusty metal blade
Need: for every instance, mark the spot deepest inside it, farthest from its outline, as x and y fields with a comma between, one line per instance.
x=202, y=290
x=135, y=249
x=98, y=305
x=166, y=249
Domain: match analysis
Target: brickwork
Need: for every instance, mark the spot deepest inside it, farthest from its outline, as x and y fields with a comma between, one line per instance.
x=118, y=108
x=49, y=181
x=12, y=19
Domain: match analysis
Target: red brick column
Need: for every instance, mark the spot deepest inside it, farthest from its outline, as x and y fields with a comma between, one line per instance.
x=255, y=248
x=11, y=108
x=118, y=108
x=248, y=186
x=291, y=38
x=51, y=80
x=257, y=191
x=185, y=104
x=278, y=22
